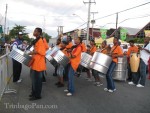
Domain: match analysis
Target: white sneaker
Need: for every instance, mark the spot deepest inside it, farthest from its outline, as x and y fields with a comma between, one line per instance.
x=66, y=90
x=95, y=83
x=20, y=80
x=99, y=85
x=131, y=83
x=69, y=94
x=114, y=90
x=110, y=91
x=105, y=89
x=139, y=85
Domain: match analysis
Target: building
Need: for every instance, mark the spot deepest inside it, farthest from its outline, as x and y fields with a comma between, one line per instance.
x=95, y=32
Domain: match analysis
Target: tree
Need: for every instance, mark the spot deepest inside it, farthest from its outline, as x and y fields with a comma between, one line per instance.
x=18, y=28
x=15, y=30
x=46, y=36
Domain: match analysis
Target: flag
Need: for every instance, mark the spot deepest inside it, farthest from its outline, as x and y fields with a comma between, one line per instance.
x=123, y=34
x=103, y=33
x=147, y=33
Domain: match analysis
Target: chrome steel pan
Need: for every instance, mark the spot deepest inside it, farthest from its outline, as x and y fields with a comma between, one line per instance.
x=19, y=56
x=100, y=62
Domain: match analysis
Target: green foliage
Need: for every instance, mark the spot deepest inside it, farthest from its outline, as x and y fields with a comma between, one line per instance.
x=139, y=40
x=15, y=30
x=46, y=36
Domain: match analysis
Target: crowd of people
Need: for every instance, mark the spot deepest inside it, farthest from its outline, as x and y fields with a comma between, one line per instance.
x=73, y=52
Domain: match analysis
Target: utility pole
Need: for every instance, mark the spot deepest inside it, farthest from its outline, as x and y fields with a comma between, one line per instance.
x=88, y=22
x=116, y=34
x=5, y=20
x=44, y=26
x=93, y=21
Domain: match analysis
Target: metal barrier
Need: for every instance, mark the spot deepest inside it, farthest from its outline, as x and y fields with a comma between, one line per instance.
x=5, y=75
x=2, y=51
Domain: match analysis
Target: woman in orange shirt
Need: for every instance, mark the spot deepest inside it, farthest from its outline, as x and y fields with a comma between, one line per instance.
x=115, y=52
x=38, y=65
x=75, y=57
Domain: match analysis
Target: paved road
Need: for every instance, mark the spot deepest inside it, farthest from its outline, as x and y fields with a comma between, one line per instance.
x=87, y=99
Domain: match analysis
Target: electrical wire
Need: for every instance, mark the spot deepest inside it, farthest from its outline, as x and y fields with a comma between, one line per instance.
x=123, y=10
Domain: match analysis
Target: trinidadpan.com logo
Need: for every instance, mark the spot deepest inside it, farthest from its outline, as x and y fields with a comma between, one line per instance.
x=29, y=106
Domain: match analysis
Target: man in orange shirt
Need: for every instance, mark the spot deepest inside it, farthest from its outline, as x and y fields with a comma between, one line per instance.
x=75, y=57
x=38, y=65
x=115, y=52
x=131, y=49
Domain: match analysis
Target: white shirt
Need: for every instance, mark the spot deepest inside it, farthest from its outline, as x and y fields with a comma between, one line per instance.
x=145, y=55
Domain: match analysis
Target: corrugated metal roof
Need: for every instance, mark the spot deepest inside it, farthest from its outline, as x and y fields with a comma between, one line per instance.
x=131, y=31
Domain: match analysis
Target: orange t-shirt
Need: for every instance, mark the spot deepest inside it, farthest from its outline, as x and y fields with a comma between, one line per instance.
x=104, y=51
x=117, y=51
x=46, y=44
x=39, y=63
x=69, y=45
x=76, y=61
x=92, y=50
x=83, y=47
x=132, y=49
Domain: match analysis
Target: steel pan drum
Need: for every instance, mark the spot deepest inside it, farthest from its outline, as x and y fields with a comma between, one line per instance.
x=120, y=75
x=56, y=56
x=85, y=60
x=60, y=58
x=120, y=72
x=100, y=62
x=134, y=62
x=19, y=56
x=48, y=56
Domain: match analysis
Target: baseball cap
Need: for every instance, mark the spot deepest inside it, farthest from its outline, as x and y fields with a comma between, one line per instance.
x=20, y=33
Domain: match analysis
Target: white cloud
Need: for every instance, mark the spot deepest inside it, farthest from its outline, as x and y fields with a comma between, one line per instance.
x=31, y=13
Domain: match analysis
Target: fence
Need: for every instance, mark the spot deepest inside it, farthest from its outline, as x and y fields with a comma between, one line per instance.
x=2, y=51
x=5, y=74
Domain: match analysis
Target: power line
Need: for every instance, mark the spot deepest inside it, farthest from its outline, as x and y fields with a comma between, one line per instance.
x=134, y=18
x=123, y=10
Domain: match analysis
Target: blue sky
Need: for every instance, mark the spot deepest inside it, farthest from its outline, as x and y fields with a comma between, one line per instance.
x=49, y=14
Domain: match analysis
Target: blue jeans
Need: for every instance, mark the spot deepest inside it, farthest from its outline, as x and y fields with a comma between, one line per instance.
x=36, y=77
x=71, y=80
x=109, y=79
x=140, y=76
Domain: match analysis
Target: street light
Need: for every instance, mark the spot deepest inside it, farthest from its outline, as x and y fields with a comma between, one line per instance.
x=79, y=17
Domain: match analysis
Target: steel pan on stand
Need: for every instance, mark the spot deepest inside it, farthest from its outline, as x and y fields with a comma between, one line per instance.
x=121, y=71
x=85, y=60
x=100, y=62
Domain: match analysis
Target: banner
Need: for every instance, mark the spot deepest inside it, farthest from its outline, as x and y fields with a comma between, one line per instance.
x=103, y=33
x=147, y=33
x=123, y=34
